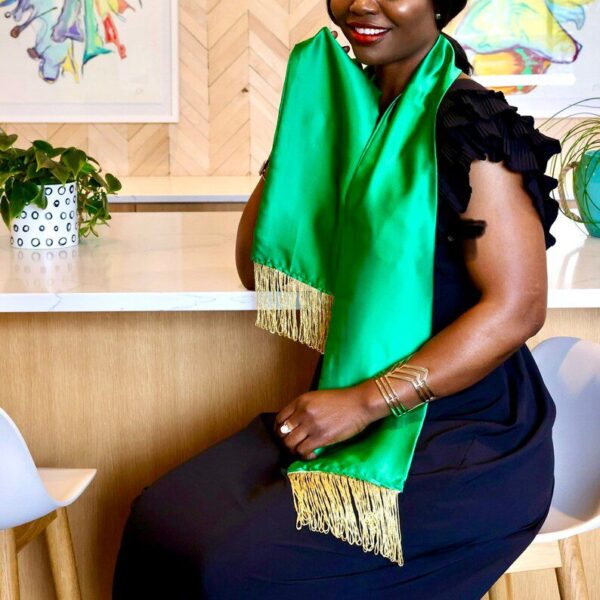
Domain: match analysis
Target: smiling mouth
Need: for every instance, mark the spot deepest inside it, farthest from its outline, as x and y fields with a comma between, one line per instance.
x=367, y=35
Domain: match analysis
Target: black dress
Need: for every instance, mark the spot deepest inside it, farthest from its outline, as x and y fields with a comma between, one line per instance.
x=222, y=525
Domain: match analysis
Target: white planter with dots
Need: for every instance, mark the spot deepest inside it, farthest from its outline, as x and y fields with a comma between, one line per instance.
x=56, y=226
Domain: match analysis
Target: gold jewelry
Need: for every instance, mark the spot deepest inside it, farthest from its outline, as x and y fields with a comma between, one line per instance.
x=285, y=428
x=263, y=168
x=417, y=376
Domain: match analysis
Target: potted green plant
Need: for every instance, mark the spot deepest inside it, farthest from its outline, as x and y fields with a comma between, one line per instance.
x=50, y=197
x=581, y=154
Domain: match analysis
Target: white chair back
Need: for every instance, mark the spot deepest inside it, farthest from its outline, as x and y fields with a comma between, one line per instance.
x=570, y=368
x=23, y=496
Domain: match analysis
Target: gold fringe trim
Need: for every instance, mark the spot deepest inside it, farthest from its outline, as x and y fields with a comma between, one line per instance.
x=278, y=298
x=324, y=502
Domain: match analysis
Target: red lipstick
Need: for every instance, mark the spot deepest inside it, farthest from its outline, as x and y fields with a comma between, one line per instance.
x=365, y=33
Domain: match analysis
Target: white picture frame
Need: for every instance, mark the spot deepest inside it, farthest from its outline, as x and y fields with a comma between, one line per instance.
x=142, y=87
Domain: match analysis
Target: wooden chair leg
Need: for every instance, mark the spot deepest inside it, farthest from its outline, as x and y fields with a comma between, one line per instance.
x=502, y=589
x=27, y=532
x=62, y=557
x=9, y=569
x=572, y=584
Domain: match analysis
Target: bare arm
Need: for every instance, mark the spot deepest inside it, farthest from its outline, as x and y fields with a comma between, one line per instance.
x=508, y=266
x=245, y=236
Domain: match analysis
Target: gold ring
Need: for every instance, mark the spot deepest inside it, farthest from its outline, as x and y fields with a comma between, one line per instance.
x=285, y=428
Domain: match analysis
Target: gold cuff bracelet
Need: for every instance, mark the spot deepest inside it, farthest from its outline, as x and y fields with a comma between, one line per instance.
x=417, y=376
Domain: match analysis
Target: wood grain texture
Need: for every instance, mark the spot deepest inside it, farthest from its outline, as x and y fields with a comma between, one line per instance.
x=62, y=557
x=571, y=578
x=28, y=531
x=537, y=556
x=9, y=567
x=134, y=395
x=189, y=140
x=502, y=589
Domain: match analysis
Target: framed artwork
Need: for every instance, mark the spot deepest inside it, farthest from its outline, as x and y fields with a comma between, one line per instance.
x=542, y=54
x=86, y=61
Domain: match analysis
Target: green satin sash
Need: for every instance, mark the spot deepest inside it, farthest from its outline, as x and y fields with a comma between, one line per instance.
x=343, y=254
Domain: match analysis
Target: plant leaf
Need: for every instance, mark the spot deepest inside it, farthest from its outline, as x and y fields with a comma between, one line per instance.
x=114, y=185
x=41, y=200
x=61, y=172
x=42, y=145
x=4, y=210
x=31, y=172
x=4, y=177
x=74, y=159
x=98, y=178
x=43, y=161
x=22, y=194
x=88, y=168
x=56, y=151
x=6, y=141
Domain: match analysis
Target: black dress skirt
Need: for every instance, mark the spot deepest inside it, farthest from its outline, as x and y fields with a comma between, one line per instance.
x=222, y=525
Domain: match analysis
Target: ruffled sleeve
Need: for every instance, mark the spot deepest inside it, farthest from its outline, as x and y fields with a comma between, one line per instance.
x=475, y=122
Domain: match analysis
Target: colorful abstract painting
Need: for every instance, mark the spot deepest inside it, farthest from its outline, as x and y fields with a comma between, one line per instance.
x=60, y=26
x=544, y=53
x=87, y=60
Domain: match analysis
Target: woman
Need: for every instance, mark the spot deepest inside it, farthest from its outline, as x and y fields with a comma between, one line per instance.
x=481, y=480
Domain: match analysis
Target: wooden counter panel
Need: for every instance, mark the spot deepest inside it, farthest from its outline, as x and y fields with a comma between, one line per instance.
x=133, y=395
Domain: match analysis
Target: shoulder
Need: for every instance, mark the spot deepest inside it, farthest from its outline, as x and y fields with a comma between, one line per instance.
x=467, y=101
x=477, y=123
x=470, y=112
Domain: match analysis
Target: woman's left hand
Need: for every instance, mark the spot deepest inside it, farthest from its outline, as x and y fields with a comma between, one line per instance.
x=322, y=417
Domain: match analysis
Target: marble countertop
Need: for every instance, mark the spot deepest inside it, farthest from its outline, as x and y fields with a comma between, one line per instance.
x=180, y=261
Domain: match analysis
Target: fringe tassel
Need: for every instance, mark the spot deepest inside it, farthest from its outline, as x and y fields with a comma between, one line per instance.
x=277, y=296
x=323, y=502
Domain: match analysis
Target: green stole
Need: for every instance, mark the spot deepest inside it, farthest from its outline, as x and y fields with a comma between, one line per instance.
x=343, y=261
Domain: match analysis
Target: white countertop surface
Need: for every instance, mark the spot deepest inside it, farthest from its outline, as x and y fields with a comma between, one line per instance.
x=170, y=189
x=173, y=189
x=179, y=261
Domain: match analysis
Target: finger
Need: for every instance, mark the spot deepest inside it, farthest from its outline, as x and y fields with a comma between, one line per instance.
x=292, y=425
x=295, y=437
x=305, y=449
x=284, y=414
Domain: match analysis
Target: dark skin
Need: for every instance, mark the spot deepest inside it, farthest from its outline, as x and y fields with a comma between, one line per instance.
x=512, y=276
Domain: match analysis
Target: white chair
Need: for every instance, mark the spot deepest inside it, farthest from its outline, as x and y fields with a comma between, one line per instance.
x=33, y=500
x=570, y=368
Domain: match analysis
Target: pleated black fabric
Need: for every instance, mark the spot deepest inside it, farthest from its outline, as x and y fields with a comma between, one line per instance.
x=474, y=122
x=222, y=525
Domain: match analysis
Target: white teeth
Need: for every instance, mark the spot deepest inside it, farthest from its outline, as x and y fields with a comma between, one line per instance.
x=369, y=31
